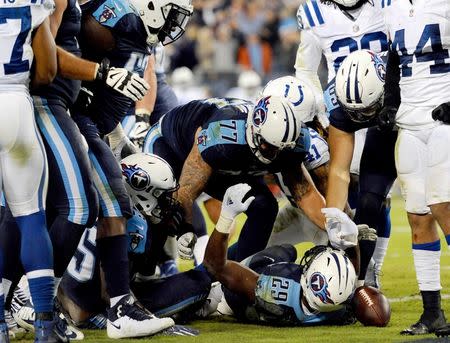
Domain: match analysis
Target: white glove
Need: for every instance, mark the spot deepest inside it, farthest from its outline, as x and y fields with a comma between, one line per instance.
x=125, y=82
x=232, y=205
x=342, y=231
x=186, y=245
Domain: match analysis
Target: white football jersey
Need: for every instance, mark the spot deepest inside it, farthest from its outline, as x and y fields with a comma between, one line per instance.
x=327, y=29
x=420, y=33
x=18, y=18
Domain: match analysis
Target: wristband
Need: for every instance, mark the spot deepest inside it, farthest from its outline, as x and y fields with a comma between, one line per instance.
x=224, y=225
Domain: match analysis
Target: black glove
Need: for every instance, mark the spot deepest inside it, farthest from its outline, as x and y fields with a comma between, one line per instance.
x=442, y=113
x=386, y=118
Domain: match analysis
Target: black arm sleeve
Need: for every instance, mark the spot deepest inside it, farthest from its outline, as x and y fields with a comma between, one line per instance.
x=391, y=86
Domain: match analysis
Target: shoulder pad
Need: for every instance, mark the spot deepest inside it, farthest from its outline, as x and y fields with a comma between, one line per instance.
x=109, y=12
x=309, y=15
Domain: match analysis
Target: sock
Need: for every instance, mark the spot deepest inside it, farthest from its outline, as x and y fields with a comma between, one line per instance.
x=36, y=254
x=199, y=248
x=113, y=256
x=447, y=238
x=366, y=249
x=113, y=301
x=427, y=264
x=380, y=252
x=65, y=237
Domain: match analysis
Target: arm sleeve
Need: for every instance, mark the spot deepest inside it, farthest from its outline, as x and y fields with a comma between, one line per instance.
x=391, y=86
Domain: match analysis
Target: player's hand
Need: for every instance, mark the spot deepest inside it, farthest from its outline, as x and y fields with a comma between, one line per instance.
x=442, y=113
x=366, y=233
x=233, y=203
x=186, y=244
x=342, y=231
x=386, y=118
x=124, y=148
x=125, y=82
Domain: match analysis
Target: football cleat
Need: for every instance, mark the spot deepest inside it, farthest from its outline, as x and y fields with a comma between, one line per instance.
x=14, y=330
x=443, y=331
x=25, y=316
x=425, y=325
x=129, y=319
x=179, y=330
x=4, y=336
x=46, y=331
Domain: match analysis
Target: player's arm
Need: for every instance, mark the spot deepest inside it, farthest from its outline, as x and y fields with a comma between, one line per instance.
x=44, y=49
x=305, y=193
x=341, y=145
x=145, y=106
x=236, y=277
x=320, y=177
x=194, y=177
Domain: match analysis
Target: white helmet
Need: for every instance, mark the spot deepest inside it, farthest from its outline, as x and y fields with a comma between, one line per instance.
x=249, y=79
x=271, y=127
x=297, y=92
x=360, y=85
x=182, y=77
x=150, y=183
x=328, y=278
x=164, y=20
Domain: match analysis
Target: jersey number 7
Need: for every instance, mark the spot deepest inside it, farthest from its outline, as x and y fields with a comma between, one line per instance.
x=14, y=51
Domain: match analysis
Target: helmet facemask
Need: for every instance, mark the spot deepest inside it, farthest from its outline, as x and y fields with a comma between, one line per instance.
x=165, y=205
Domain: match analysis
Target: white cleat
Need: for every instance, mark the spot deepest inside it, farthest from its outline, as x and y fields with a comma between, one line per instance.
x=129, y=319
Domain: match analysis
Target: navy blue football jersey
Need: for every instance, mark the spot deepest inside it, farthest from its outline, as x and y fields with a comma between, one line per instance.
x=338, y=118
x=66, y=38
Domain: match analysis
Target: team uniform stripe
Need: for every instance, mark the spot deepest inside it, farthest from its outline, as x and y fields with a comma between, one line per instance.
x=108, y=202
x=152, y=135
x=40, y=273
x=67, y=163
x=318, y=14
x=128, y=124
x=308, y=15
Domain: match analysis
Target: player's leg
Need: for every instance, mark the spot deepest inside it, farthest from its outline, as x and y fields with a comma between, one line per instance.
x=71, y=193
x=125, y=319
x=411, y=160
x=26, y=160
x=377, y=174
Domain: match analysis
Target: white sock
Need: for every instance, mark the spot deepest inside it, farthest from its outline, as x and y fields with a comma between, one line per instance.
x=57, y=282
x=6, y=286
x=199, y=248
x=427, y=264
x=380, y=252
x=113, y=301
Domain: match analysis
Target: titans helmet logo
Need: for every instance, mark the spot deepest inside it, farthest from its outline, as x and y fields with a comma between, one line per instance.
x=380, y=67
x=137, y=178
x=319, y=287
x=135, y=239
x=260, y=112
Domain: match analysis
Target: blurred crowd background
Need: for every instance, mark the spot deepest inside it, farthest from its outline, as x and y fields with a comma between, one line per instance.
x=250, y=41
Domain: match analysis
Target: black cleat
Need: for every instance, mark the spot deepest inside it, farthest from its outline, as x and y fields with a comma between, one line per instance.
x=443, y=331
x=425, y=325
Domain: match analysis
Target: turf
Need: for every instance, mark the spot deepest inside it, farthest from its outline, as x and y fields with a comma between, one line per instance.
x=398, y=283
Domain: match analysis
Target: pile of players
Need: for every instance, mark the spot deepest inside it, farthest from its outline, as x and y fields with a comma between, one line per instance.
x=90, y=246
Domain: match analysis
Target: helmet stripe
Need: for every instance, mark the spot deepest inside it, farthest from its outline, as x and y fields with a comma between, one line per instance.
x=336, y=259
x=349, y=97
x=357, y=96
x=346, y=276
x=286, y=132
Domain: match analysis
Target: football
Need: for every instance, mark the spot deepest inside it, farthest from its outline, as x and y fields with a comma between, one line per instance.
x=371, y=307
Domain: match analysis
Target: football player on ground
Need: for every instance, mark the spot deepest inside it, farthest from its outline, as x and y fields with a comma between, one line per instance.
x=23, y=155
x=217, y=142
x=337, y=28
x=417, y=91
x=134, y=28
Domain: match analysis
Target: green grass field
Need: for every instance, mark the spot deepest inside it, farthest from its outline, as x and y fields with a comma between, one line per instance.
x=398, y=283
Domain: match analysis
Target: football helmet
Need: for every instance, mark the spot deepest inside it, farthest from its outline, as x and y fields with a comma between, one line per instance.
x=297, y=92
x=271, y=127
x=150, y=182
x=328, y=278
x=164, y=20
x=360, y=85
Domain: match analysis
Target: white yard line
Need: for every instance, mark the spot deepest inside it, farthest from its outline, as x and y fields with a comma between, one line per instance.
x=413, y=298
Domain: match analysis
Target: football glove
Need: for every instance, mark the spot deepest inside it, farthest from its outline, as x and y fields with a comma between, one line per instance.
x=366, y=233
x=442, y=113
x=342, y=231
x=386, y=118
x=185, y=245
x=125, y=82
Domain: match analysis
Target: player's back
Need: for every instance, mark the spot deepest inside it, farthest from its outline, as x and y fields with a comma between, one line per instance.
x=340, y=32
x=18, y=18
x=179, y=125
